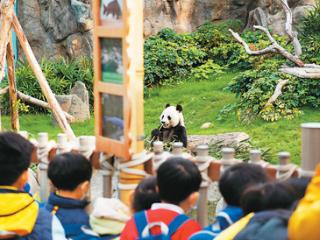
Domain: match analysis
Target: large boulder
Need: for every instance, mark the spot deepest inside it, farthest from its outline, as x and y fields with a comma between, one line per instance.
x=76, y=103
x=223, y=139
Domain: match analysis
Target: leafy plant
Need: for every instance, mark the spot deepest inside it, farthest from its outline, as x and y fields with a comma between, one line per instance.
x=61, y=75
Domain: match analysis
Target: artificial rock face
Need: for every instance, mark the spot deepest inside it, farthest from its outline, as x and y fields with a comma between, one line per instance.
x=63, y=27
x=57, y=27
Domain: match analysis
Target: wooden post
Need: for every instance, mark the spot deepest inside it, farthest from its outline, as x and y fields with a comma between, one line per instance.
x=12, y=88
x=107, y=171
x=55, y=106
x=43, y=141
x=203, y=160
x=228, y=158
x=160, y=156
x=177, y=151
x=7, y=12
x=310, y=153
x=62, y=142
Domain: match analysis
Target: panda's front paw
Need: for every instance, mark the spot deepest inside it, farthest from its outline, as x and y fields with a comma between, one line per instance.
x=155, y=133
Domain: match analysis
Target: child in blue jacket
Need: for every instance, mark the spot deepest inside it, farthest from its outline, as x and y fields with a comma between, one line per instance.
x=70, y=173
x=233, y=182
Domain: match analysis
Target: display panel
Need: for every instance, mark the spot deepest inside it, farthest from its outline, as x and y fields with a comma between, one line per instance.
x=111, y=60
x=111, y=12
x=112, y=117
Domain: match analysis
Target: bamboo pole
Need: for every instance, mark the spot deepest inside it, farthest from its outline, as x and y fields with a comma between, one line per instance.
x=15, y=125
x=7, y=12
x=55, y=106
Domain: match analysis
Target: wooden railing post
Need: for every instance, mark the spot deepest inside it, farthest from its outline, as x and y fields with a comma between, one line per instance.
x=160, y=156
x=42, y=151
x=203, y=160
x=310, y=153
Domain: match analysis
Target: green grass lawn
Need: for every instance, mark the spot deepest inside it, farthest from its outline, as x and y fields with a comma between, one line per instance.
x=202, y=102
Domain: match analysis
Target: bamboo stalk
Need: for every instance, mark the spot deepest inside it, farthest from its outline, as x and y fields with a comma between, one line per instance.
x=54, y=105
x=15, y=125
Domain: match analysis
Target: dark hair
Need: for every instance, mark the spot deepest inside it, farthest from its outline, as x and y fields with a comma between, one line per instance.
x=145, y=194
x=66, y=171
x=273, y=195
x=177, y=179
x=299, y=185
x=237, y=178
x=15, y=157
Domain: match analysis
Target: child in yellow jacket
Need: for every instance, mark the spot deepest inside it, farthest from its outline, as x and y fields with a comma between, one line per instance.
x=304, y=222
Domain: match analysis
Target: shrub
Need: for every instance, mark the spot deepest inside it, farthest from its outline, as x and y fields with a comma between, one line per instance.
x=168, y=55
x=61, y=75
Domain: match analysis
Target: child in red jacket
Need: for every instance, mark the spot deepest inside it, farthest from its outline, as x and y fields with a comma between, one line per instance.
x=178, y=182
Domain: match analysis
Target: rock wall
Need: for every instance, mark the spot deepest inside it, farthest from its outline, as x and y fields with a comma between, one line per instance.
x=57, y=27
x=63, y=27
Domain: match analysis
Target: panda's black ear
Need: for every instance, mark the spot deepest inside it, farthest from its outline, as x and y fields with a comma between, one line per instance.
x=179, y=108
x=167, y=105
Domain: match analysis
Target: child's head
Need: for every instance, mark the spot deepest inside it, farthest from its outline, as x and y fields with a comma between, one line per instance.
x=145, y=194
x=15, y=157
x=273, y=195
x=236, y=179
x=299, y=185
x=179, y=182
x=70, y=172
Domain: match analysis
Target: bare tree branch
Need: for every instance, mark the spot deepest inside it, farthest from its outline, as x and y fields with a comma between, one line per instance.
x=312, y=72
x=270, y=49
x=277, y=92
x=293, y=36
x=40, y=103
x=274, y=47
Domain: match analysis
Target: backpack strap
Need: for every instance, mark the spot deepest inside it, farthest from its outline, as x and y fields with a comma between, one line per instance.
x=141, y=221
x=177, y=222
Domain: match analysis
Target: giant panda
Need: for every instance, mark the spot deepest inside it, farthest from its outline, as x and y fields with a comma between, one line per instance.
x=172, y=128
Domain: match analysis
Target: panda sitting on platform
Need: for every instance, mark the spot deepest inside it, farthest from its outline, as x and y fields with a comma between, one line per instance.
x=172, y=128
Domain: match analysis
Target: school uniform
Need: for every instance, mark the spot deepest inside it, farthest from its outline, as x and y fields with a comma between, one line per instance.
x=166, y=213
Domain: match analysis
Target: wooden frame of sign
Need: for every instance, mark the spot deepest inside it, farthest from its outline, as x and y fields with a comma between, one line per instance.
x=118, y=84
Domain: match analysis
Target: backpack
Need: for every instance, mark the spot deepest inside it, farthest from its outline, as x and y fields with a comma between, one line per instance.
x=144, y=227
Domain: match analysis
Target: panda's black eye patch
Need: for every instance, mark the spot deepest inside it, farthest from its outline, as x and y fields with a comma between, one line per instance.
x=169, y=118
x=162, y=117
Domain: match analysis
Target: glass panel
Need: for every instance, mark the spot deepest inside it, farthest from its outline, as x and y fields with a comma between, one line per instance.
x=111, y=13
x=111, y=59
x=112, y=116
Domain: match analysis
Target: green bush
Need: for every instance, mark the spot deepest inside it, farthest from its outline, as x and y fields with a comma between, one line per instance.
x=171, y=57
x=168, y=55
x=60, y=74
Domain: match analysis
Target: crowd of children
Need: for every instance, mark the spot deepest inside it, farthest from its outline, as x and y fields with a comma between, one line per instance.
x=254, y=206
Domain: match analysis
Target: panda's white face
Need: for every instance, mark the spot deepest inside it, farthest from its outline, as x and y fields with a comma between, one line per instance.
x=170, y=117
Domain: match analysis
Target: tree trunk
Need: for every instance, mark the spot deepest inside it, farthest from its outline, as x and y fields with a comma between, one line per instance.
x=12, y=89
